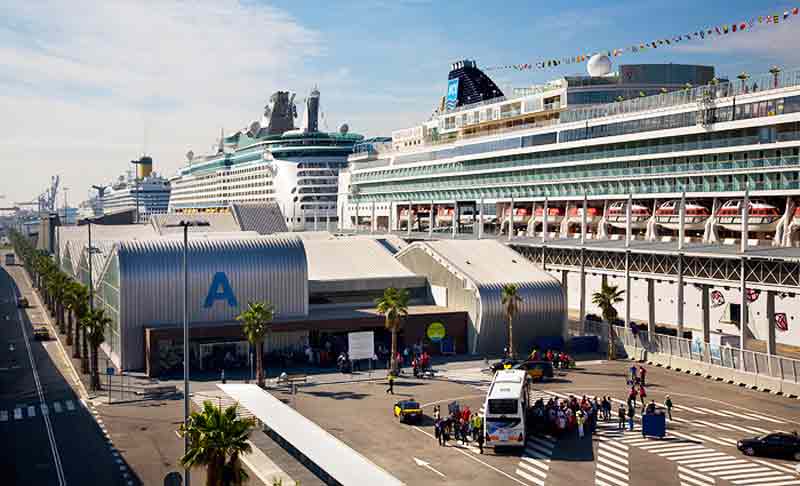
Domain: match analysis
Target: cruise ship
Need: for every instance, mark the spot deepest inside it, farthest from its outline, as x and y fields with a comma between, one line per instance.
x=271, y=161
x=675, y=132
x=145, y=191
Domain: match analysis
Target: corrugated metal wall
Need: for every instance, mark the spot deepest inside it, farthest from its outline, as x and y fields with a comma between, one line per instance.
x=272, y=269
x=542, y=312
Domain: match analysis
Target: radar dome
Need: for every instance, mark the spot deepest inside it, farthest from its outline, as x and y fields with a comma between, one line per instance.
x=344, y=128
x=599, y=65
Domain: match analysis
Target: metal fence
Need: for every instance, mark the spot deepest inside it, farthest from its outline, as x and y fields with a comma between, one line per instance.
x=783, y=368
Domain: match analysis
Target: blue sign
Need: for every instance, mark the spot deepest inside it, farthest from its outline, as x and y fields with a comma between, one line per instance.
x=452, y=93
x=220, y=290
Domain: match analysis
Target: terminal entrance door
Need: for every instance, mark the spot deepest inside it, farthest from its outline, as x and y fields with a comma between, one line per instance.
x=223, y=355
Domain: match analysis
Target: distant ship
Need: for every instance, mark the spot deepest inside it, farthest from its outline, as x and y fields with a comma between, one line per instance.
x=271, y=160
x=145, y=191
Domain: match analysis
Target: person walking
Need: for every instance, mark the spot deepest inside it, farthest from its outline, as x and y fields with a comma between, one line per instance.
x=632, y=397
x=631, y=413
x=390, y=378
x=633, y=375
x=580, y=419
x=621, y=416
x=642, y=374
x=437, y=413
x=481, y=439
x=445, y=431
x=642, y=394
x=668, y=404
x=437, y=430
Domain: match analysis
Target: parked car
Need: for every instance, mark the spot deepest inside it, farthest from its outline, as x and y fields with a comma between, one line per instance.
x=779, y=444
x=408, y=411
x=504, y=364
x=41, y=333
x=593, y=318
x=537, y=370
x=22, y=303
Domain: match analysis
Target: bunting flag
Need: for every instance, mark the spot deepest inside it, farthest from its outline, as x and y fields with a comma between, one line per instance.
x=702, y=34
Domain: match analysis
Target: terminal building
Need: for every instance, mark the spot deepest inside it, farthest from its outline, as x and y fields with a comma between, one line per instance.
x=322, y=286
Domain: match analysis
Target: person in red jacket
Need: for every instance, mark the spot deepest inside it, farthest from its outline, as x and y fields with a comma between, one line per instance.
x=642, y=394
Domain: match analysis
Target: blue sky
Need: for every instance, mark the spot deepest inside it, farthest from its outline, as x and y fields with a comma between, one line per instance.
x=90, y=84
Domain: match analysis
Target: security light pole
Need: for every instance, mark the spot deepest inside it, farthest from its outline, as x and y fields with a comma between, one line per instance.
x=185, y=225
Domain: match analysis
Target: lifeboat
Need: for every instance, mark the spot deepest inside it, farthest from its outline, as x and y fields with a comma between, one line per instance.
x=576, y=214
x=761, y=216
x=668, y=215
x=521, y=216
x=616, y=215
x=554, y=215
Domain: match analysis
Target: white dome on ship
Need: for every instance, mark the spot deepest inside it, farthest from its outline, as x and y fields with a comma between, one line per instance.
x=599, y=65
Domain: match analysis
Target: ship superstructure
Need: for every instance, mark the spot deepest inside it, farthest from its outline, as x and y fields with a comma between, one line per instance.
x=142, y=189
x=534, y=149
x=271, y=160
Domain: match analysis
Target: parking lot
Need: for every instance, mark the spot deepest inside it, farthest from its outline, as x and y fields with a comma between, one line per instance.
x=700, y=447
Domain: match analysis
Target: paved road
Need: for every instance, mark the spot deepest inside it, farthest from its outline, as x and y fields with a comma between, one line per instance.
x=699, y=450
x=49, y=437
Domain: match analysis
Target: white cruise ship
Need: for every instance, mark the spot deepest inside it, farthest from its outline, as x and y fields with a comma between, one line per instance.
x=271, y=160
x=146, y=191
x=675, y=130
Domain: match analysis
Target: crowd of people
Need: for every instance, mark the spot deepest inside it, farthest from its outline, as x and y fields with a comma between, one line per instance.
x=559, y=359
x=459, y=424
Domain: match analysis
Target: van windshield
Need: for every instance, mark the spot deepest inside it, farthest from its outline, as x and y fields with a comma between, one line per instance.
x=503, y=406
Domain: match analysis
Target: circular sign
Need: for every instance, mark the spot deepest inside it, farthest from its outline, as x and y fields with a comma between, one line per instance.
x=436, y=331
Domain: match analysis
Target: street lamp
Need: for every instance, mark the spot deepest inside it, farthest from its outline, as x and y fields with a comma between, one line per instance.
x=743, y=77
x=775, y=71
x=65, y=205
x=185, y=224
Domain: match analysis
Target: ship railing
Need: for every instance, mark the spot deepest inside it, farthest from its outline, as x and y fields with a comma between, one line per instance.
x=755, y=84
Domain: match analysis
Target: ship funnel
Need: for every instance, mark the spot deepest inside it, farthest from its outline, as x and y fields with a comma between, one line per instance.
x=144, y=167
x=312, y=112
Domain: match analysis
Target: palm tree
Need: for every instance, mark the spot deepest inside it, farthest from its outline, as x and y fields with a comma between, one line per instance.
x=394, y=307
x=605, y=298
x=511, y=301
x=95, y=326
x=77, y=303
x=255, y=321
x=59, y=285
x=217, y=438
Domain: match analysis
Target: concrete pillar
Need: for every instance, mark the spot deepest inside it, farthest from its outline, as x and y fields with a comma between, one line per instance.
x=582, y=290
x=545, y=214
x=682, y=221
x=651, y=307
x=706, y=311
x=373, y=224
x=511, y=220
x=628, y=222
x=627, y=288
x=583, y=220
x=431, y=220
x=356, y=227
x=770, y=323
x=745, y=215
x=389, y=219
x=480, y=221
x=743, y=313
x=455, y=219
x=680, y=295
x=410, y=218
x=316, y=218
x=341, y=219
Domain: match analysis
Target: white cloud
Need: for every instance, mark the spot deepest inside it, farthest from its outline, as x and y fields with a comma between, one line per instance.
x=81, y=80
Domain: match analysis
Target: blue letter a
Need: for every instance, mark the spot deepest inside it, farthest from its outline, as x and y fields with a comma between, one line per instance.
x=220, y=290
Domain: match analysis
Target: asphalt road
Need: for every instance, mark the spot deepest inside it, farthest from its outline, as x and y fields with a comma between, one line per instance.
x=699, y=449
x=48, y=435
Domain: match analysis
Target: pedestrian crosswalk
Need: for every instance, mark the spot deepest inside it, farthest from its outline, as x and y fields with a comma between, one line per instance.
x=700, y=465
x=534, y=465
x=612, y=467
x=24, y=411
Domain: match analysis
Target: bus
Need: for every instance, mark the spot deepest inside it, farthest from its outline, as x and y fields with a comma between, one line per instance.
x=505, y=408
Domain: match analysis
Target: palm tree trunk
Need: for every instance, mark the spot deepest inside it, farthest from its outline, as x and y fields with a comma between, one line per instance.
x=393, y=360
x=69, y=328
x=95, y=369
x=76, y=348
x=259, y=364
x=84, y=352
x=612, y=343
x=60, y=317
x=510, y=337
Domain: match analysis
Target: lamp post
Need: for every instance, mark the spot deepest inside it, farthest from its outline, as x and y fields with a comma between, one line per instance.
x=775, y=71
x=66, y=189
x=185, y=225
x=743, y=77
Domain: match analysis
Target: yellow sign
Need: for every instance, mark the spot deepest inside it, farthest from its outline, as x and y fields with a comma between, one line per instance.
x=436, y=331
